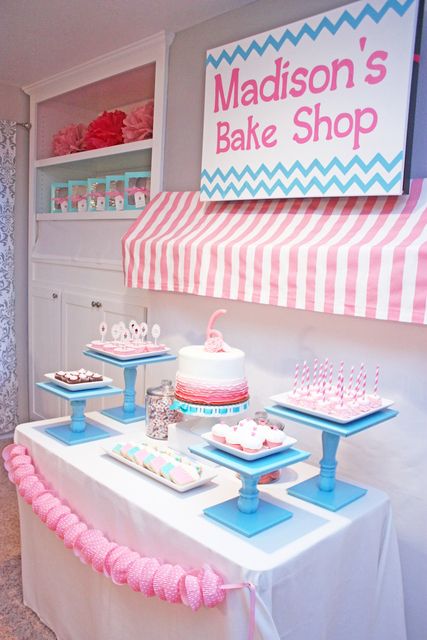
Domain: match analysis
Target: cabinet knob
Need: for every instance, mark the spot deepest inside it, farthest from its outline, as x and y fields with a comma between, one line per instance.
x=96, y=304
x=54, y=296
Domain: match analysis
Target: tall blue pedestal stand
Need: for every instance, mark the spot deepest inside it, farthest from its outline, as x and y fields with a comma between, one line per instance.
x=78, y=430
x=248, y=514
x=325, y=490
x=130, y=411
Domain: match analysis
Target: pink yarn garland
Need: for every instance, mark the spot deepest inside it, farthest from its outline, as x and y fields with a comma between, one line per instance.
x=170, y=583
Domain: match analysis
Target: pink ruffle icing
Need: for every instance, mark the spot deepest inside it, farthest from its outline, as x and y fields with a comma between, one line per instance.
x=124, y=566
x=202, y=392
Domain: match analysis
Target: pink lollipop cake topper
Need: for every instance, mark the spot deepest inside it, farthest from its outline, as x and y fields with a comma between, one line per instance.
x=214, y=340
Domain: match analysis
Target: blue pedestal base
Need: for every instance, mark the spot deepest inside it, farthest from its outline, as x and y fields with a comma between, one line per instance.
x=342, y=494
x=63, y=433
x=117, y=413
x=248, y=524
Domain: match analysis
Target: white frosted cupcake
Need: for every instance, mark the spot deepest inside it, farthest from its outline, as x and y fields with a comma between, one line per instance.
x=275, y=438
x=252, y=442
x=219, y=431
x=233, y=438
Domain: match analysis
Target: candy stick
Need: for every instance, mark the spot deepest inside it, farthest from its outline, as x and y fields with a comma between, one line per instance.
x=315, y=365
x=296, y=376
x=377, y=376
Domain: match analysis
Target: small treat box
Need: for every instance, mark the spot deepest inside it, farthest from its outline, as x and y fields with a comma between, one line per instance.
x=115, y=192
x=96, y=188
x=77, y=195
x=137, y=189
x=59, y=197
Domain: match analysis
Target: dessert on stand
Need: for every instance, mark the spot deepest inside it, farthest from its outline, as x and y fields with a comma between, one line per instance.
x=339, y=409
x=78, y=430
x=128, y=350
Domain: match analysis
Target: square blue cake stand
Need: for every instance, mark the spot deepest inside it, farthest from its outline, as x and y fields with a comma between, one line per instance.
x=325, y=490
x=130, y=411
x=247, y=514
x=78, y=430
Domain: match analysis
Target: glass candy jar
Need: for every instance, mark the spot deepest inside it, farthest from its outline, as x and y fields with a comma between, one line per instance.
x=159, y=415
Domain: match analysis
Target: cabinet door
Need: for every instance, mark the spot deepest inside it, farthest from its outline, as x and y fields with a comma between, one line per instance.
x=44, y=350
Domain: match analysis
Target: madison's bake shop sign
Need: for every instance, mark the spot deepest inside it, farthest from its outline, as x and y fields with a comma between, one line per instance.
x=316, y=108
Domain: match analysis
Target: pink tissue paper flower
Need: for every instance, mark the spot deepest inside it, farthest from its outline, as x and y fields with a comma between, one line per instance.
x=68, y=140
x=105, y=130
x=138, y=125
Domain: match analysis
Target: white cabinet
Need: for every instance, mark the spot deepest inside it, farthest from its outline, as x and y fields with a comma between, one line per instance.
x=63, y=322
x=45, y=349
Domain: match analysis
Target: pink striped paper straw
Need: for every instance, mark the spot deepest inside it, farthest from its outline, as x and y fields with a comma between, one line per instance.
x=320, y=377
x=341, y=388
x=315, y=365
x=303, y=375
x=350, y=380
x=308, y=380
x=331, y=375
x=364, y=383
x=377, y=376
x=296, y=376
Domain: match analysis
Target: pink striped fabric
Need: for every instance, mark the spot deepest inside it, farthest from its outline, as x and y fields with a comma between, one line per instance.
x=363, y=256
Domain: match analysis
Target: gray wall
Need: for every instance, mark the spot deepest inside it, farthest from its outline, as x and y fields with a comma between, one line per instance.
x=391, y=459
x=14, y=105
x=184, y=125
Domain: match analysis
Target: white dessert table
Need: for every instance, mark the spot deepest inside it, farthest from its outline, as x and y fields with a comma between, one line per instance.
x=320, y=575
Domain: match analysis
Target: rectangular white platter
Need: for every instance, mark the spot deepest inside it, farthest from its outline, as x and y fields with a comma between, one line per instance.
x=282, y=399
x=133, y=356
x=208, y=473
x=288, y=442
x=79, y=386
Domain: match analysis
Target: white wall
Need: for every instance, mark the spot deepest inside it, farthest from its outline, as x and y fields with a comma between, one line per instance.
x=392, y=456
x=14, y=105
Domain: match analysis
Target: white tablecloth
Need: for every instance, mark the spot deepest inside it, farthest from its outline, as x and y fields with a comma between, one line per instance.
x=318, y=576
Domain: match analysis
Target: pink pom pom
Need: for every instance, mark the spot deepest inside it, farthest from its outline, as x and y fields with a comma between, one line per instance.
x=18, y=460
x=64, y=524
x=73, y=533
x=46, y=496
x=101, y=553
x=138, y=125
x=68, y=140
x=172, y=591
x=55, y=514
x=147, y=577
x=135, y=572
x=160, y=580
x=120, y=568
x=86, y=545
x=112, y=556
x=212, y=593
x=13, y=450
x=34, y=491
x=44, y=508
x=26, y=484
x=21, y=472
x=190, y=590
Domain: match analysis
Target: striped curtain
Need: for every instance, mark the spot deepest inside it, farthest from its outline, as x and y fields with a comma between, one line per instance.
x=8, y=377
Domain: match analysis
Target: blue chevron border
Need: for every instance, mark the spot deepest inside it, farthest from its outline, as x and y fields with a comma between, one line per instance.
x=335, y=163
x=376, y=15
x=304, y=189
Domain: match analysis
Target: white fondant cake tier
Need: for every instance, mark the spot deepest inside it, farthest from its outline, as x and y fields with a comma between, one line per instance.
x=195, y=362
x=206, y=377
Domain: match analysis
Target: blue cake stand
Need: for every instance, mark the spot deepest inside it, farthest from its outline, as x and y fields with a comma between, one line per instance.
x=78, y=430
x=128, y=412
x=325, y=490
x=209, y=411
x=247, y=514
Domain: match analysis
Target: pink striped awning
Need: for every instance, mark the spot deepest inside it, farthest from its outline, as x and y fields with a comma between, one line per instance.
x=364, y=256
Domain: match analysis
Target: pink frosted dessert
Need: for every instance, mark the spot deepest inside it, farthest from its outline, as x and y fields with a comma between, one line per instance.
x=233, y=438
x=274, y=438
x=252, y=442
x=219, y=432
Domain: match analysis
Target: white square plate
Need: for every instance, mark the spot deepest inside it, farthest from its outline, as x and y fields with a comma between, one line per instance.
x=207, y=472
x=79, y=386
x=288, y=442
x=283, y=400
x=132, y=356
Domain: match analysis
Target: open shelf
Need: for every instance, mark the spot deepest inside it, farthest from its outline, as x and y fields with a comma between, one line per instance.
x=94, y=154
x=127, y=214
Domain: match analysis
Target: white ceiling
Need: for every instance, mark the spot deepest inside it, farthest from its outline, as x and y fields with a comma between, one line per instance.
x=39, y=38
